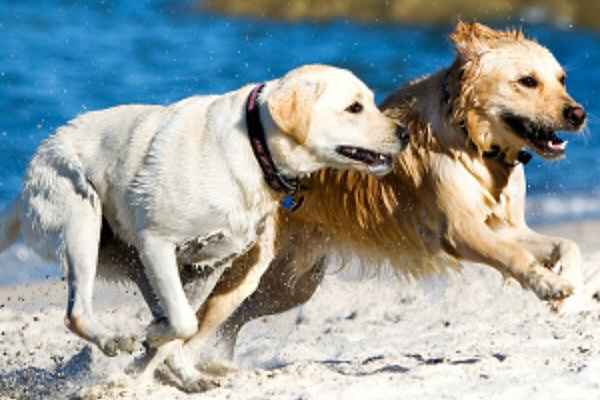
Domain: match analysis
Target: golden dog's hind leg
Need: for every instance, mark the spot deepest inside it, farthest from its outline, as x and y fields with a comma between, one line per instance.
x=280, y=290
x=233, y=288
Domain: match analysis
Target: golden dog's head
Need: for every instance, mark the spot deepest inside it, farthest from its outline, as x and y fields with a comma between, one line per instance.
x=512, y=92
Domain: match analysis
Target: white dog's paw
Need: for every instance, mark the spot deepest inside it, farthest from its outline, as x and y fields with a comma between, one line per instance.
x=547, y=285
x=115, y=345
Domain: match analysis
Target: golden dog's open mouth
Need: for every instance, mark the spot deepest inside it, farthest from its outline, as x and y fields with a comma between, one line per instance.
x=375, y=162
x=540, y=138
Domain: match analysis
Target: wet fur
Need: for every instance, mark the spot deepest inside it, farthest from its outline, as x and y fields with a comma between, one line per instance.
x=180, y=184
x=444, y=203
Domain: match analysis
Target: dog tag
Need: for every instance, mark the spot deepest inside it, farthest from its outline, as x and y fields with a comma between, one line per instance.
x=291, y=203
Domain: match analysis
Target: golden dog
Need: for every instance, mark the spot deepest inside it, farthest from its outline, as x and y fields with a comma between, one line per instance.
x=456, y=194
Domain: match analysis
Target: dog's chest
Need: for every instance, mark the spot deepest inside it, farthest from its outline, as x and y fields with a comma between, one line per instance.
x=203, y=254
x=235, y=226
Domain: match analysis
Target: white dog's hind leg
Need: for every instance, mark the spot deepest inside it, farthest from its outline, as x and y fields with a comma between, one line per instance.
x=81, y=236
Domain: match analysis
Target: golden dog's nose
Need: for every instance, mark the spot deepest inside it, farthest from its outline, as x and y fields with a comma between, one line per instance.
x=574, y=115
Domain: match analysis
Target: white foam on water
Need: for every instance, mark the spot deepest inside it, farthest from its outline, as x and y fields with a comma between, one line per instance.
x=553, y=208
x=19, y=264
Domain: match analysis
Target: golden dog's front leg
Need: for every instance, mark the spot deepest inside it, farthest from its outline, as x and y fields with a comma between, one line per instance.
x=476, y=242
x=563, y=257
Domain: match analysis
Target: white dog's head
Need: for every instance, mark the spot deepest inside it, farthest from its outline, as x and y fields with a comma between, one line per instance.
x=326, y=117
x=513, y=92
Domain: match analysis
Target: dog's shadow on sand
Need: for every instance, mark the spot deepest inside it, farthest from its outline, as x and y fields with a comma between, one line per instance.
x=33, y=383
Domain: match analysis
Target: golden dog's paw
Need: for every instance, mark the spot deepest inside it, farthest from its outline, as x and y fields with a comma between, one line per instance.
x=548, y=286
x=180, y=373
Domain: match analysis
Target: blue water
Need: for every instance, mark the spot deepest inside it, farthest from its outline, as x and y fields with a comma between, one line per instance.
x=61, y=58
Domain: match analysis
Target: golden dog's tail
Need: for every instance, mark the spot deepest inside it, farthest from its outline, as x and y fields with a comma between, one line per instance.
x=10, y=225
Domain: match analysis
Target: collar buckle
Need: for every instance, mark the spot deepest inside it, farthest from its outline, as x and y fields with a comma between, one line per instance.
x=495, y=153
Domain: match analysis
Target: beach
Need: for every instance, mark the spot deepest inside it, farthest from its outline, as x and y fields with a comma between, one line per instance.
x=465, y=336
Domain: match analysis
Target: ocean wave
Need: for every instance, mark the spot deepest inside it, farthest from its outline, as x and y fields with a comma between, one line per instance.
x=544, y=209
x=19, y=264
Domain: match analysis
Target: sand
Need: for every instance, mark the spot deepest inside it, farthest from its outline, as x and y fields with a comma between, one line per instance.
x=467, y=336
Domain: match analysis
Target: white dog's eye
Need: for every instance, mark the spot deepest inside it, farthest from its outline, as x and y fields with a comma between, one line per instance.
x=528, y=81
x=354, y=108
x=562, y=80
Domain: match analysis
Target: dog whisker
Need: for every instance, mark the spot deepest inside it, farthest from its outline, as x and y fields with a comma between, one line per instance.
x=593, y=117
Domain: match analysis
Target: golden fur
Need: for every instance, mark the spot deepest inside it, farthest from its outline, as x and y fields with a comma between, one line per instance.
x=447, y=200
x=457, y=193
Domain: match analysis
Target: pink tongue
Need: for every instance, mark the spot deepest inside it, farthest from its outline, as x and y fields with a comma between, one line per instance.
x=556, y=145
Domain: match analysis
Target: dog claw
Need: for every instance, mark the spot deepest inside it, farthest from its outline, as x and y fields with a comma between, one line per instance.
x=127, y=344
x=548, y=286
x=199, y=386
x=219, y=368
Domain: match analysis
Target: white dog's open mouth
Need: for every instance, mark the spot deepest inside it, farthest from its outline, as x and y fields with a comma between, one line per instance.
x=377, y=163
x=541, y=139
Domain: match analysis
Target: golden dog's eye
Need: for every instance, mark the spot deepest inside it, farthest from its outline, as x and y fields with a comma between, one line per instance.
x=528, y=81
x=354, y=108
x=562, y=80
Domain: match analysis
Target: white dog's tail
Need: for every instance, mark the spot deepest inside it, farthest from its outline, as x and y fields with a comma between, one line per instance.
x=9, y=225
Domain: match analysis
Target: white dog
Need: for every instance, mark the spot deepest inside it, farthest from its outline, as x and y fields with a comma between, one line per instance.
x=207, y=170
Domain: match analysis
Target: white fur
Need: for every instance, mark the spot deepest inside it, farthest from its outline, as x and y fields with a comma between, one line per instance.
x=162, y=176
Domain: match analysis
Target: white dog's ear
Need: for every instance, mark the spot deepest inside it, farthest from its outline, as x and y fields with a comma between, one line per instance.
x=473, y=39
x=290, y=105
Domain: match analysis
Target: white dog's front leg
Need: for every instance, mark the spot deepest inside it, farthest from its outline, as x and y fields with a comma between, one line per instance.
x=237, y=284
x=160, y=265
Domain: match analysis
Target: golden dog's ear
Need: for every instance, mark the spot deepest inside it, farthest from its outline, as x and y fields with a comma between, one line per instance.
x=290, y=105
x=478, y=130
x=473, y=39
